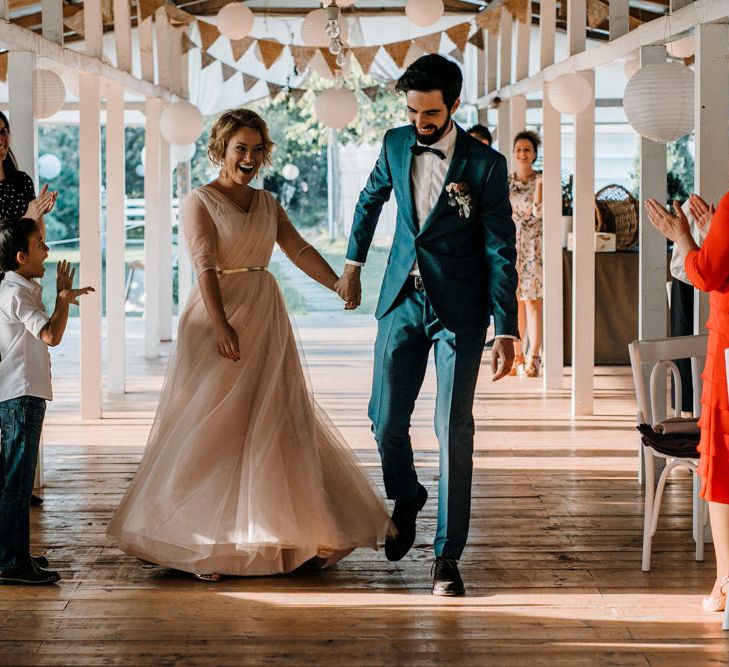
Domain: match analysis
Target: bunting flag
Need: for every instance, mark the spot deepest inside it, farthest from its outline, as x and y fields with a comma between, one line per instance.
x=227, y=71
x=489, y=19
x=457, y=54
x=390, y=85
x=207, y=59
x=4, y=66
x=248, y=82
x=519, y=9
x=398, y=51
x=270, y=51
x=365, y=56
x=147, y=8
x=274, y=89
x=76, y=23
x=298, y=93
x=477, y=40
x=302, y=56
x=239, y=47
x=107, y=11
x=597, y=13
x=331, y=60
x=429, y=43
x=178, y=17
x=459, y=35
x=187, y=43
x=372, y=92
x=208, y=34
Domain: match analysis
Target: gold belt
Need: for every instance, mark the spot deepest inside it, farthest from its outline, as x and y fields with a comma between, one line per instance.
x=243, y=269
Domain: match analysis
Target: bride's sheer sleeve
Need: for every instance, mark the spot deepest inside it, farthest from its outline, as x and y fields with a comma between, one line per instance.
x=200, y=234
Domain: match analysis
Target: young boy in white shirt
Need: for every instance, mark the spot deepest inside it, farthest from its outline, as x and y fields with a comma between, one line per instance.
x=26, y=331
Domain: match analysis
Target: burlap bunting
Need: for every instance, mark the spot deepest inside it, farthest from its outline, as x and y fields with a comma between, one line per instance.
x=459, y=35
x=477, y=40
x=76, y=23
x=302, y=56
x=365, y=56
x=270, y=51
x=274, y=89
x=227, y=71
x=208, y=34
x=176, y=16
x=206, y=59
x=187, y=43
x=107, y=11
x=4, y=66
x=519, y=9
x=248, y=82
x=372, y=92
x=398, y=51
x=298, y=93
x=457, y=54
x=147, y=8
x=331, y=60
x=597, y=13
x=429, y=43
x=489, y=19
x=238, y=47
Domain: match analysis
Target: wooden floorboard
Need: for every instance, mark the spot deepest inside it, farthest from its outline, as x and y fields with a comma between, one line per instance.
x=552, y=567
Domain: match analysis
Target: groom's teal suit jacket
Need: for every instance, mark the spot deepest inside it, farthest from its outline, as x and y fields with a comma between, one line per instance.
x=467, y=263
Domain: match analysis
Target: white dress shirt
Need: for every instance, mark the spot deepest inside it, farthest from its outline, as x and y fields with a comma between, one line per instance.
x=25, y=365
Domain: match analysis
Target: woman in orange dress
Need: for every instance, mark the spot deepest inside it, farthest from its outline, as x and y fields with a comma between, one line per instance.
x=708, y=270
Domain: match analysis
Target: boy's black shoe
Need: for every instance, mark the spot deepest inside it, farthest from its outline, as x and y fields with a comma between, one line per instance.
x=403, y=516
x=36, y=501
x=28, y=575
x=40, y=561
x=446, y=578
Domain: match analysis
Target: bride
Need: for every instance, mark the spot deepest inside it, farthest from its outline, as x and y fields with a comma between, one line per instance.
x=242, y=473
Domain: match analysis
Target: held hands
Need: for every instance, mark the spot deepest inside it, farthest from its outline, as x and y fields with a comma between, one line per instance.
x=64, y=283
x=502, y=358
x=228, y=342
x=349, y=287
x=701, y=212
x=42, y=204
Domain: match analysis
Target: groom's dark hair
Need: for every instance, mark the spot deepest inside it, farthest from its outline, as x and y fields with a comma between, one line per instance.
x=433, y=72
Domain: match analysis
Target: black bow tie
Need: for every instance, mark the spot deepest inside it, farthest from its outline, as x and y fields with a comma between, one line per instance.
x=417, y=149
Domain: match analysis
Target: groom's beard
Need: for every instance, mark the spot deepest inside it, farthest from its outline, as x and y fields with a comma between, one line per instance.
x=430, y=139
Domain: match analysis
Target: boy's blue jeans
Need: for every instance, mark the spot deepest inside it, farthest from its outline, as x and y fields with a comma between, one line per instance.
x=21, y=421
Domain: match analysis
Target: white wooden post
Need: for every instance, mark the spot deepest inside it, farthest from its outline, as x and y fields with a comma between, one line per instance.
x=152, y=187
x=503, y=131
x=547, y=27
x=123, y=34
x=583, y=259
x=492, y=61
x=115, y=241
x=576, y=26
x=505, y=30
x=52, y=20
x=90, y=243
x=618, y=18
x=165, y=241
x=22, y=118
x=93, y=28
x=523, y=39
x=145, y=35
x=517, y=114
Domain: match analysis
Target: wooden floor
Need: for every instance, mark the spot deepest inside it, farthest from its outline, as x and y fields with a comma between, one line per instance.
x=552, y=568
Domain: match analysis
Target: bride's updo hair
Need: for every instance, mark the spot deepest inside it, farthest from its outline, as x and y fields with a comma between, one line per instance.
x=228, y=124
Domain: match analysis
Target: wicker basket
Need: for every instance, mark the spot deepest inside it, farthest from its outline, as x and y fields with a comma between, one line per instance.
x=616, y=211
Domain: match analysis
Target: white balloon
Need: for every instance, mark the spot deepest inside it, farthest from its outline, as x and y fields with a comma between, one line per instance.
x=235, y=20
x=49, y=166
x=659, y=101
x=336, y=107
x=290, y=172
x=312, y=29
x=570, y=93
x=182, y=153
x=49, y=93
x=424, y=12
x=181, y=123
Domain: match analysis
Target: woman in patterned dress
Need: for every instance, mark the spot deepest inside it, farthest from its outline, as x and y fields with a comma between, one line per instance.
x=525, y=187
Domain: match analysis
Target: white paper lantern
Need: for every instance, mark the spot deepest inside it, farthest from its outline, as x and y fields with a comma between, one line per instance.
x=682, y=48
x=49, y=93
x=49, y=166
x=235, y=20
x=659, y=101
x=424, y=12
x=570, y=93
x=631, y=67
x=290, y=172
x=312, y=29
x=339, y=3
x=182, y=153
x=336, y=107
x=181, y=123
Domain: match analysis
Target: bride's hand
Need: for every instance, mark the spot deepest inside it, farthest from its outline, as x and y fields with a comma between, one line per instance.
x=228, y=342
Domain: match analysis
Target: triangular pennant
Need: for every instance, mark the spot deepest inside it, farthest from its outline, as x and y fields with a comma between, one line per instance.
x=187, y=43
x=227, y=71
x=4, y=66
x=239, y=47
x=176, y=16
x=270, y=51
x=331, y=60
x=302, y=56
x=398, y=51
x=429, y=43
x=372, y=92
x=597, y=13
x=477, y=40
x=391, y=86
x=107, y=11
x=147, y=8
x=518, y=9
x=459, y=35
x=206, y=59
x=457, y=54
x=274, y=89
x=208, y=34
x=248, y=82
x=298, y=93
x=75, y=23
x=490, y=19
x=365, y=57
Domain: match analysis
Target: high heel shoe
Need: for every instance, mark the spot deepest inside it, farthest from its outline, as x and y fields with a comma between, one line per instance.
x=532, y=368
x=518, y=363
x=716, y=602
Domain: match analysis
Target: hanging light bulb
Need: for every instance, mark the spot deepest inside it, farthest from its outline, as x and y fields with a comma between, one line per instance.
x=341, y=59
x=332, y=29
x=335, y=47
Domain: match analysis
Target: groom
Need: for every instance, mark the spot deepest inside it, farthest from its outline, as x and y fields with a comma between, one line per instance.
x=450, y=267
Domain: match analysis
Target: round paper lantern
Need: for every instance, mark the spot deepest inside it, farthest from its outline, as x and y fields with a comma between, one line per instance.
x=341, y=3
x=290, y=172
x=182, y=153
x=49, y=93
x=49, y=166
x=631, y=67
x=659, y=101
x=424, y=12
x=336, y=107
x=682, y=48
x=312, y=29
x=181, y=123
x=235, y=20
x=570, y=93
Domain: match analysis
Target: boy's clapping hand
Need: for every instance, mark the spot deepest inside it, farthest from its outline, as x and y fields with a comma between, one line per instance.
x=64, y=283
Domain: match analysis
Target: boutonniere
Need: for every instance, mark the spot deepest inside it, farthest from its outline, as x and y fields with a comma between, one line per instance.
x=458, y=195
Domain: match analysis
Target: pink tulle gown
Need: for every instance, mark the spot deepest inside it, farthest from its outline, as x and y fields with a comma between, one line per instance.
x=243, y=474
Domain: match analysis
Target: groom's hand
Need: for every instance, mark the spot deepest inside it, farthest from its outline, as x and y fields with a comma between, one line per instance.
x=502, y=358
x=349, y=287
